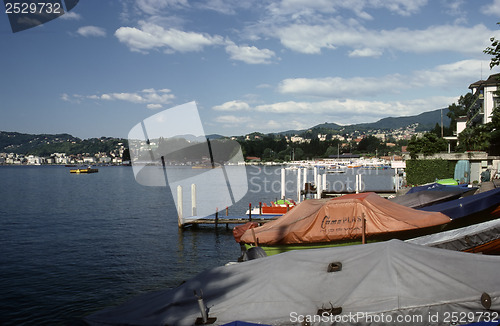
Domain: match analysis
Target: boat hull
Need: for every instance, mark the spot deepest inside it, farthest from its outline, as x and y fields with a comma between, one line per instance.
x=78, y=171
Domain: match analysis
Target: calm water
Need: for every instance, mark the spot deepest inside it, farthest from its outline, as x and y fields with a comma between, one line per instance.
x=74, y=244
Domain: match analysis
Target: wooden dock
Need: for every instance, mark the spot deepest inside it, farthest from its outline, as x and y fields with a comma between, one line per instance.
x=190, y=221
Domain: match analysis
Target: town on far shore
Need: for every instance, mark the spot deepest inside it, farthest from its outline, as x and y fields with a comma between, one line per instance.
x=115, y=157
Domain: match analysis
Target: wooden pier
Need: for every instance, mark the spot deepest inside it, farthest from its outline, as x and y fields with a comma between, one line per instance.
x=190, y=221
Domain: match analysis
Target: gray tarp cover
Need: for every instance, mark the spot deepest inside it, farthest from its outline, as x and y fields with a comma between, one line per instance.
x=392, y=278
x=463, y=238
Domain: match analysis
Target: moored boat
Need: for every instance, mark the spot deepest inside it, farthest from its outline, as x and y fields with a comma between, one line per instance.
x=432, y=194
x=477, y=238
x=85, y=170
x=470, y=209
x=342, y=221
x=276, y=208
x=375, y=284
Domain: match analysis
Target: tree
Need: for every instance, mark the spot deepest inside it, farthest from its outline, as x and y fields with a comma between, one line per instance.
x=494, y=50
x=428, y=144
x=475, y=138
x=369, y=144
x=331, y=151
x=460, y=109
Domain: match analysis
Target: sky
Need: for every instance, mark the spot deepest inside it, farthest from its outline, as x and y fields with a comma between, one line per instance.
x=264, y=66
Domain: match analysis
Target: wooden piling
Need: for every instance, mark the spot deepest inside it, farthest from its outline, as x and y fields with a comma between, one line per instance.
x=193, y=200
x=180, y=221
x=363, y=230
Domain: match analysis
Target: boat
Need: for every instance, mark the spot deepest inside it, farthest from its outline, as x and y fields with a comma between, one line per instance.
x=432, y=194
x=84, y=170
x=341, y=221
x=481, y=238
x=276, y=208
x=470, y=209
x=374, y=284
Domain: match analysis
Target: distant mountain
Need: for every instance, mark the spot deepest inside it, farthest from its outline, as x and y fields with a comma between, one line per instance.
x=15, y=142
x=46, y=144
x=426, y=121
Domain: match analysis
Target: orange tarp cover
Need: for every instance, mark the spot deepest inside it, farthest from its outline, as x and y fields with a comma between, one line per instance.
x=324, y=220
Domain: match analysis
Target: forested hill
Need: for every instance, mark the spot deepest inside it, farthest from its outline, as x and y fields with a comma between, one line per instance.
x=46, y=144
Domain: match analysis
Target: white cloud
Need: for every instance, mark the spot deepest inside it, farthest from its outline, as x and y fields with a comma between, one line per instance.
x=311, y=39
x=491, y=9
x=153, y=7
x=65, y=97
x=365, y=53
x=340, y=87
x=305, y=8
x=231, y=119
x=457, y=74
x=71, y=16
x=151, y=97
x=232, y=106
x=250, y=54
x=154, y=106
x=151, y=36
x=91, y=31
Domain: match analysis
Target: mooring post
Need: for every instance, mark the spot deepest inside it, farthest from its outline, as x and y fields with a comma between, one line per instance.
x=283, y=183
x=260, y=208
x=216, y=216
x=179, y=206
x=250, y=211
x=298, y=185
x=356, y=185
x=318, y=187
x=363, y=230
x=193, y=200
x=324, y=182
x=315, y=175
x=304, y=182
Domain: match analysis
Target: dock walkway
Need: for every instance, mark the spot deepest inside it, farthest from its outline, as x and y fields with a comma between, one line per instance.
x=215, y=220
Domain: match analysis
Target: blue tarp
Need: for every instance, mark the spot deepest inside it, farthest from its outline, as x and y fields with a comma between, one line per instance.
x=438, y=187
x=467, y=205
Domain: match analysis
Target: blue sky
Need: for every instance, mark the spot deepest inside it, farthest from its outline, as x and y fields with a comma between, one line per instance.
x=262, y=66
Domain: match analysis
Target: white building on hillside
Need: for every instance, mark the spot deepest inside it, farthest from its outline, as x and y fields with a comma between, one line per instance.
x=487, y=99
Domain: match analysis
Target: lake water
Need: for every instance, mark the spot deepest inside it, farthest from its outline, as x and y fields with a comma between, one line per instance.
x=74, y=244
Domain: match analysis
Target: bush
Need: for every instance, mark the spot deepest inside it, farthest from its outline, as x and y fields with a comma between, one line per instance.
x=425, y=171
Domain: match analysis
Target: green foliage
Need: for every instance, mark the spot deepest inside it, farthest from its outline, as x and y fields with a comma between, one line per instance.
x=494, y=50
x=369, y=144
x=476, y=138
x=424, y=171
x=428, y=144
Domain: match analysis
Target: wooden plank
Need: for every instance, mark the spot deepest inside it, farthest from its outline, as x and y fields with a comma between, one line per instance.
x=188, y=221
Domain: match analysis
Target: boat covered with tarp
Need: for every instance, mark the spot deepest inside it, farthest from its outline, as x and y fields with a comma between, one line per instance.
x=342, y=220
x=432, y=194
x=470, y=209
x=382, y=283
x=477, y=238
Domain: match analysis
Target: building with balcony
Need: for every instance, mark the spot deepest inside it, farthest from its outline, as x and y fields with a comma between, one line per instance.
x=486, y=100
